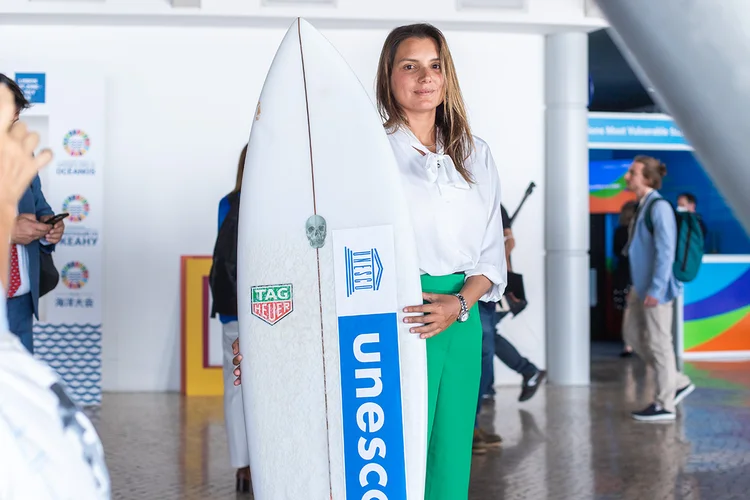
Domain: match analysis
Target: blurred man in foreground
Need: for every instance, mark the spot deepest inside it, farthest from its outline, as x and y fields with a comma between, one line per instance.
x=48, y=447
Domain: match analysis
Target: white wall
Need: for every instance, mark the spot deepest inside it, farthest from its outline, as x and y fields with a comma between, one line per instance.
x=180, y=103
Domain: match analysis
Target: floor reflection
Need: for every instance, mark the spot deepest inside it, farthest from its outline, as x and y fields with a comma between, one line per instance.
x=566, y=443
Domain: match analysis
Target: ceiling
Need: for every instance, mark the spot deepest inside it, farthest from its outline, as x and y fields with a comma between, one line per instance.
x=616, y=88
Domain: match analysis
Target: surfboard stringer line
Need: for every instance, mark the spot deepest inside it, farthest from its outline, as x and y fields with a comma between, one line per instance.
x=317, y=252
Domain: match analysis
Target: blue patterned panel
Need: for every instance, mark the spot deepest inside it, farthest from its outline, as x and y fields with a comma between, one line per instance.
x=74, y=351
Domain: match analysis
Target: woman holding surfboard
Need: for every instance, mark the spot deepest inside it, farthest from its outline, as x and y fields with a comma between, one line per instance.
x=453, y=190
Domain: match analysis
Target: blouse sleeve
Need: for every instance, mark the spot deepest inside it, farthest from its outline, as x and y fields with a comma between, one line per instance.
x=492, y=257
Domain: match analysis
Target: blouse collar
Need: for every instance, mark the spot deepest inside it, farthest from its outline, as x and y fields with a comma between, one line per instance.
x=438, y=168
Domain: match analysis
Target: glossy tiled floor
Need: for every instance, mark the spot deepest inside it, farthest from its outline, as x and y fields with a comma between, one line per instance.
x=566, y=443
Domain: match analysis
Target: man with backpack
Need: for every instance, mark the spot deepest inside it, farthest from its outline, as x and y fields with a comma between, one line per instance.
x=664, y=247
x=688, y=202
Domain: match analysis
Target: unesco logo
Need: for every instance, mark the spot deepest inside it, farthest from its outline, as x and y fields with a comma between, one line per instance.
x=364, y=271
x=76, y=142
x=77, y=206
x=74, y=275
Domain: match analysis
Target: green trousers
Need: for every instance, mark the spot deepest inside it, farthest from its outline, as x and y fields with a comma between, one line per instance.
x=453, y=368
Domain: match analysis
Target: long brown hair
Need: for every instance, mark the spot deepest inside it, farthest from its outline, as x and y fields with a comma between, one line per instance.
x=450, y=117
x=627, y=212
x=240, y=170
x=653, y=170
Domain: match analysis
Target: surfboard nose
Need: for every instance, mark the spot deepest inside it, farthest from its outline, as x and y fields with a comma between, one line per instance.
x=307, y=31
x=302, y=22
x=301, y=29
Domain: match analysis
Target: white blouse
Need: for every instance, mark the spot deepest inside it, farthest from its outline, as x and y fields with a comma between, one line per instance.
x=457, y=225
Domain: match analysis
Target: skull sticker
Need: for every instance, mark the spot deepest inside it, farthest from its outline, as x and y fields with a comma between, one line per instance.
x=316, y=231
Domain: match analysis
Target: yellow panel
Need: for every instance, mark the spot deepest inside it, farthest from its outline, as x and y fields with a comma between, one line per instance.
x=197, y=380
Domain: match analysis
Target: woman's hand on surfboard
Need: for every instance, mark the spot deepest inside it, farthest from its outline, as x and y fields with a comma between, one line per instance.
x=440, y=313
x=236, y=361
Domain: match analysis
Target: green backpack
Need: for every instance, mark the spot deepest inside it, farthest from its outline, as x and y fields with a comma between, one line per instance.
x=689, y=250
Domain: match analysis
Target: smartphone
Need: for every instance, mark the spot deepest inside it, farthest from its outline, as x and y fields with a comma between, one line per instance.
x=56, y=218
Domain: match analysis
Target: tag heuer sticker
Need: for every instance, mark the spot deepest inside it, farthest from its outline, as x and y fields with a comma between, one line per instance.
x=271, y=303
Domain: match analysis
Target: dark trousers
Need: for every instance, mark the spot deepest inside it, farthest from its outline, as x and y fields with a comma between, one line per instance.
x=21, y=319
x=494, y=344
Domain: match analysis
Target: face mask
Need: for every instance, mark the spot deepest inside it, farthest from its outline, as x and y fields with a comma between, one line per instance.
x=682, y=209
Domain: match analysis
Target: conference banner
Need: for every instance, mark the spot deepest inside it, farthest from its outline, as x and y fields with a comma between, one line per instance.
x=68, y=112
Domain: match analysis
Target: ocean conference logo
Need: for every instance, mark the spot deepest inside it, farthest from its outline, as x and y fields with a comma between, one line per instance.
x=74, y=275
x=272, y=303
x=76, y=143
x=77, y=206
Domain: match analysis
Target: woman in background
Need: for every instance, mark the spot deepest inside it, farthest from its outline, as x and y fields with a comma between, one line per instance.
x=224, y=290
x=621, y=276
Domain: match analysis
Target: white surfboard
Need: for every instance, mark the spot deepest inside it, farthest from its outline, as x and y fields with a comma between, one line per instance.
x=334, y=384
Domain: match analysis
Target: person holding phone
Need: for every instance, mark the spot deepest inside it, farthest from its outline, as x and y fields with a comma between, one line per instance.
x=48, y=446
x=30, y=235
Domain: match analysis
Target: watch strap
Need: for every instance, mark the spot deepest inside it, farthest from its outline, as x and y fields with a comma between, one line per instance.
x=462, y=300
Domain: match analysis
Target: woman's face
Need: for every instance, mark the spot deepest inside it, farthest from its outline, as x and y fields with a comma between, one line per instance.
x=417, y=80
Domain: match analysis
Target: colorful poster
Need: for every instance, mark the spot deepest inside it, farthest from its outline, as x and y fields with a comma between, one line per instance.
x=717, y=309
x=607, y=192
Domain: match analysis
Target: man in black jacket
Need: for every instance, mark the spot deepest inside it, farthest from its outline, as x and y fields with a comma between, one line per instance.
x=494, y=344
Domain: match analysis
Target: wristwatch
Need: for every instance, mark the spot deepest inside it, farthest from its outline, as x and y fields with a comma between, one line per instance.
x=464, y=314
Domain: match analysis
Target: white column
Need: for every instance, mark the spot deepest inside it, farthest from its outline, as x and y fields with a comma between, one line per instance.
x=567, y=209
x=696, y=56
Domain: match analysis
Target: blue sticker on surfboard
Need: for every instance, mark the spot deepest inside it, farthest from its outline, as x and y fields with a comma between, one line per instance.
x=372, y=411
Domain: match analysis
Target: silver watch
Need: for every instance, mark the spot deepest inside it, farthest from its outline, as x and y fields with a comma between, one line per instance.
x=464, y=314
